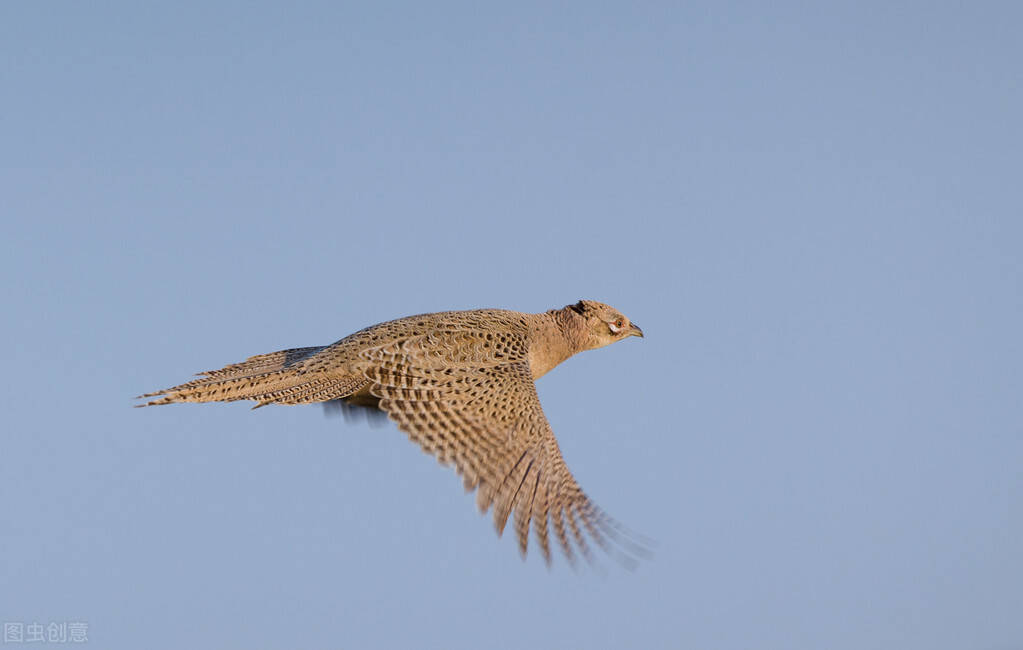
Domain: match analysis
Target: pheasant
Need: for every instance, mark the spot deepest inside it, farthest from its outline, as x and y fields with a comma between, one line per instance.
x=461, y=385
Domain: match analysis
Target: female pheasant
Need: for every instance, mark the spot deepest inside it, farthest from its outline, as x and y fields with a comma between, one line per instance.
x=460, y=384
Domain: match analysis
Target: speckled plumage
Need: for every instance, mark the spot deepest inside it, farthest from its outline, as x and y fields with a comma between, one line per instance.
x=461, y=385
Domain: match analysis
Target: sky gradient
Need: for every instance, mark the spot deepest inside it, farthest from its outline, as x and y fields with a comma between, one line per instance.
x=813, y=213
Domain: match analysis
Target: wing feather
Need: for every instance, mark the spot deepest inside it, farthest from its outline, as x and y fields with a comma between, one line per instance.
x=450, y=394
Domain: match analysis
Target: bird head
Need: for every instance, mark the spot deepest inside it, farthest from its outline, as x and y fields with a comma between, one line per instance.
x=604, y=324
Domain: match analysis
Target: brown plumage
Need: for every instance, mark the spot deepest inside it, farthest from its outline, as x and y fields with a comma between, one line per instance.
x=461, y=385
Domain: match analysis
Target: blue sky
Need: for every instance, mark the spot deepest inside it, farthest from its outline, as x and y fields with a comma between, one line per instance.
x=814, y=212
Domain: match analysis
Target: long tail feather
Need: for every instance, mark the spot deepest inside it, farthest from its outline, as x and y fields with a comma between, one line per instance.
x=267, y=378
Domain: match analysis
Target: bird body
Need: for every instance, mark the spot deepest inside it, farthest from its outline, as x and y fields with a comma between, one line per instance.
x=461, y=385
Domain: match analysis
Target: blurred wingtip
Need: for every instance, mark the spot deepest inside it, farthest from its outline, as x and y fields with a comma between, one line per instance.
x=353, y=413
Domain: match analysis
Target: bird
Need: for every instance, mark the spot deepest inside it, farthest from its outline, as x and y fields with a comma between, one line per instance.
x=460, y=384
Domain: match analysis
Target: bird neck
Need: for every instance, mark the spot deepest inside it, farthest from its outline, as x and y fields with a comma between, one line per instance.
x=559, y=334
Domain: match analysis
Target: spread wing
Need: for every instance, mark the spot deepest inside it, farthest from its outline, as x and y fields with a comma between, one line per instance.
x=468, y=398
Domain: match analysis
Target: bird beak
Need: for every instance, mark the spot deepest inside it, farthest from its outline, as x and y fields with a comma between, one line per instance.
x=635, y=331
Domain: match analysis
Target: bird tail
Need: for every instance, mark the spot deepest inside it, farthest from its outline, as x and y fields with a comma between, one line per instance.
x=272, y=378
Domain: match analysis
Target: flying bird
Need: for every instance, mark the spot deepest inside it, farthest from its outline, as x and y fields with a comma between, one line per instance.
x=461, y=385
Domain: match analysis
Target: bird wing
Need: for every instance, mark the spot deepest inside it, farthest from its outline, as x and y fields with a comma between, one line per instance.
x=468, y=398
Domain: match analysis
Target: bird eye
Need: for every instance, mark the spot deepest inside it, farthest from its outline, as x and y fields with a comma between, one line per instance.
x=616, y=326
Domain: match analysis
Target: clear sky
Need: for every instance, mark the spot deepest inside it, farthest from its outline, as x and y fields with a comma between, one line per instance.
x=813, y=211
